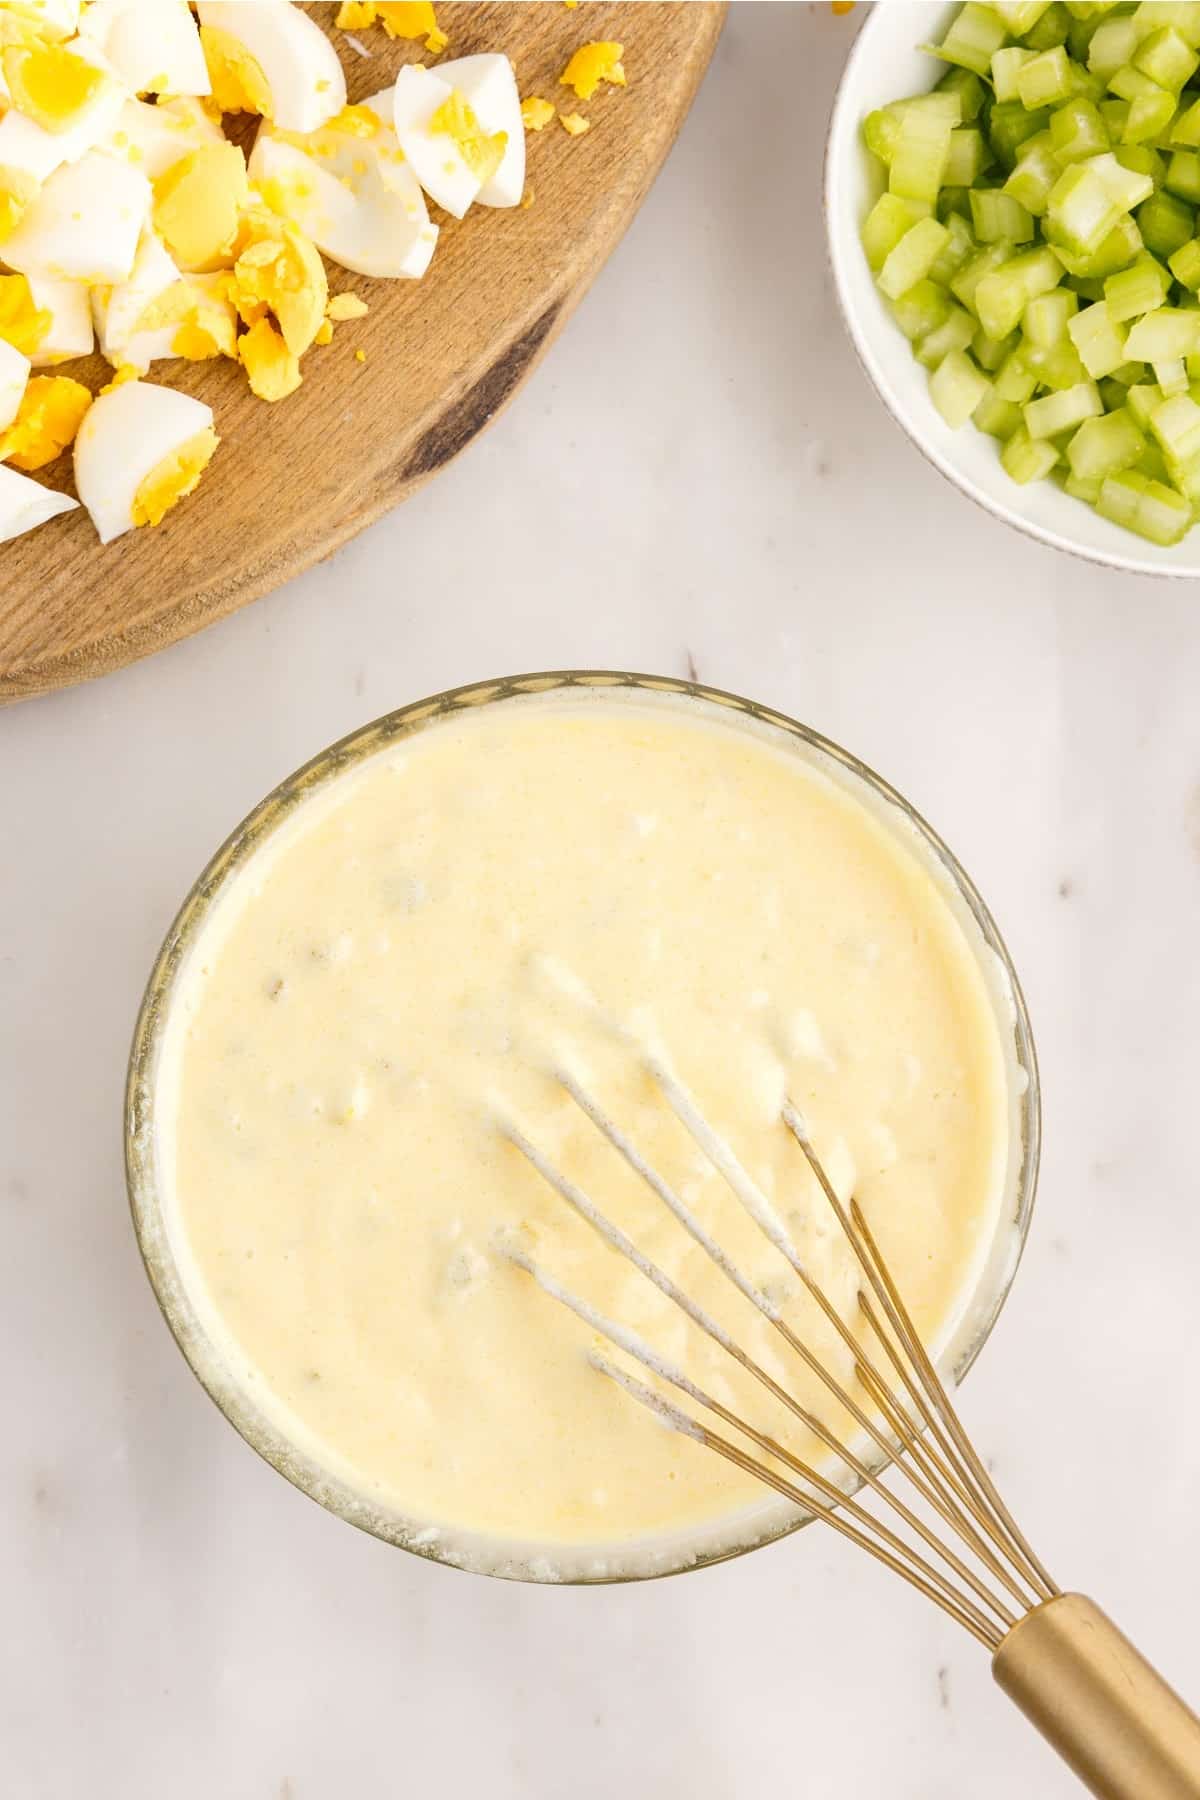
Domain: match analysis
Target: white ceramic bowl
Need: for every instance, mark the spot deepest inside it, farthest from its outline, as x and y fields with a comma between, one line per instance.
x=884, y=65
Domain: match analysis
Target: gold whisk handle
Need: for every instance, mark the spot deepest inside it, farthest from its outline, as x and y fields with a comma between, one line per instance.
x=1096, y=1699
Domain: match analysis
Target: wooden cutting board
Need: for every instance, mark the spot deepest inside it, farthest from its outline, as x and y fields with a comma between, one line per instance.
x=293, y=481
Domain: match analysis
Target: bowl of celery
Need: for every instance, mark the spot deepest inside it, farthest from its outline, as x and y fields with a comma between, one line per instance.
x=1013, y=204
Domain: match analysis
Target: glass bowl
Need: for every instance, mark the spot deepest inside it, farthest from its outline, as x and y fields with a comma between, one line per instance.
x=534, y=1561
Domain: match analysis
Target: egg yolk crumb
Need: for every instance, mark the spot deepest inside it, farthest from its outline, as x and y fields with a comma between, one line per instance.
x=176, y=476
x=482, y=153
x=20, y=320
x=279, y=270
x=51, y=412
x=17, y=190
x=273, y=371
x=592, y=64
x=50, y=84
x=197, y=202
x=360, y=356
x=346, y=306
x=536, y=113
x=575, y=123
x=400, y=19
x=238, y=82
x=124, y=372
x=324, y=332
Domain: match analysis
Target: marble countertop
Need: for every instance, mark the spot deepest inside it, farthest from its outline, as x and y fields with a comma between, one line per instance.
x=729, y=499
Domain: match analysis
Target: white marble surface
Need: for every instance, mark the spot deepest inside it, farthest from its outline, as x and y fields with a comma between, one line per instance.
x=697, y=475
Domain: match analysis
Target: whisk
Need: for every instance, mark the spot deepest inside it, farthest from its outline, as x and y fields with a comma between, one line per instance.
x=1094, y=1697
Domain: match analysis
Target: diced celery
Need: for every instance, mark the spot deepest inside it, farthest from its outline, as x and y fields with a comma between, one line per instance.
x=1098, y=339
x=913, y=257
x=1008, y=127
x=1192, y=364
x=973, y=39
x=999, y=219
x=1062, y=412
x=1087, y=289
x=1168, y=331
x=1020, y=15
x=1027, y=459
x=1057, y=368
x=959, y=247
x=1186, y=129
x=921, y=310
x=1130, y=373
x=1138, y=289
x=1033, y=178
x=1015, y=380
x=1002, y=296
x=955, y=333
x=1153, y=463
x=1176, y=425
x=1051, y=29
x=970, y=91
x=989, y=352
x=1141, y=399
x=1046, y=80
x=1186, y=477
x=1127, y=187
x=1183, y=176
x=918, y=164
x=1144, y=159
x=1185, y=265
x=1166, y=223
x=1081, y=488
x=999, y=418
x=885, y=225
x=1129, y=83
x=1148, y=507
x=1171, y=376
x=1078, y=130
x=1113, y=45
x=1105, y=445
x=1167, y=58
x=1112, y=393
x=1115, y=114
x=953, y=200
x=956, y=387
x=1182, y=15
x=1150, y=116
x=881, y=129
x=968, y=157
x=1046, y=317
x=1081, y=210
x=1006, y=64
x=966, y=282
x=1120, y=247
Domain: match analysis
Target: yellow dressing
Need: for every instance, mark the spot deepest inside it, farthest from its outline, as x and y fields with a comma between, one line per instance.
x=176, y=476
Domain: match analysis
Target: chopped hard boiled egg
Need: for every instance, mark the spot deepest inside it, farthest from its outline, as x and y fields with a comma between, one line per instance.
x=198, y=203
x=349, y=188
x=536, y=113
x=23, y=324
x=269, y=57
x=279, y=271
x=14, y=378
x=52, y=19
x=51, y=83
x=64, y=306
x=25, y=503
x=451, y=154
x=30, y=152
x=574, y=124
x=592, y=64
x=273, y=369
x=130, y=334
x=84, y=224
x=490, y=88
x=51, y=412
x=399, y=18
x=154, y=138
x=140, y=449
x=152, y=45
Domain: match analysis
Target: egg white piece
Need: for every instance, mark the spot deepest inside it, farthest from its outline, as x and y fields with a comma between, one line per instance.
x=154, y=138
x=70, y=332
x=14, y=375
x=153, y=45
x=299, y=62
x=355, y=197
x=30, y=150
x=490, y=86
x=436, y=160
x=54, y=19
x=25, y=503
x=85, y=223
x=122, y=440
x=118, y=309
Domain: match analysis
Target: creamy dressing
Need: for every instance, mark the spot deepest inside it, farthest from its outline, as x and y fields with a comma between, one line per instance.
x=402, y=972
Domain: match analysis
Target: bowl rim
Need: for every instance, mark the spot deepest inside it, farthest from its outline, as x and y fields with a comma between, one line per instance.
x=174, y=1301
x=838, y=133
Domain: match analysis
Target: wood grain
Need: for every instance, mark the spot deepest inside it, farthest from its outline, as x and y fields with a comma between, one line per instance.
x=292, y=482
